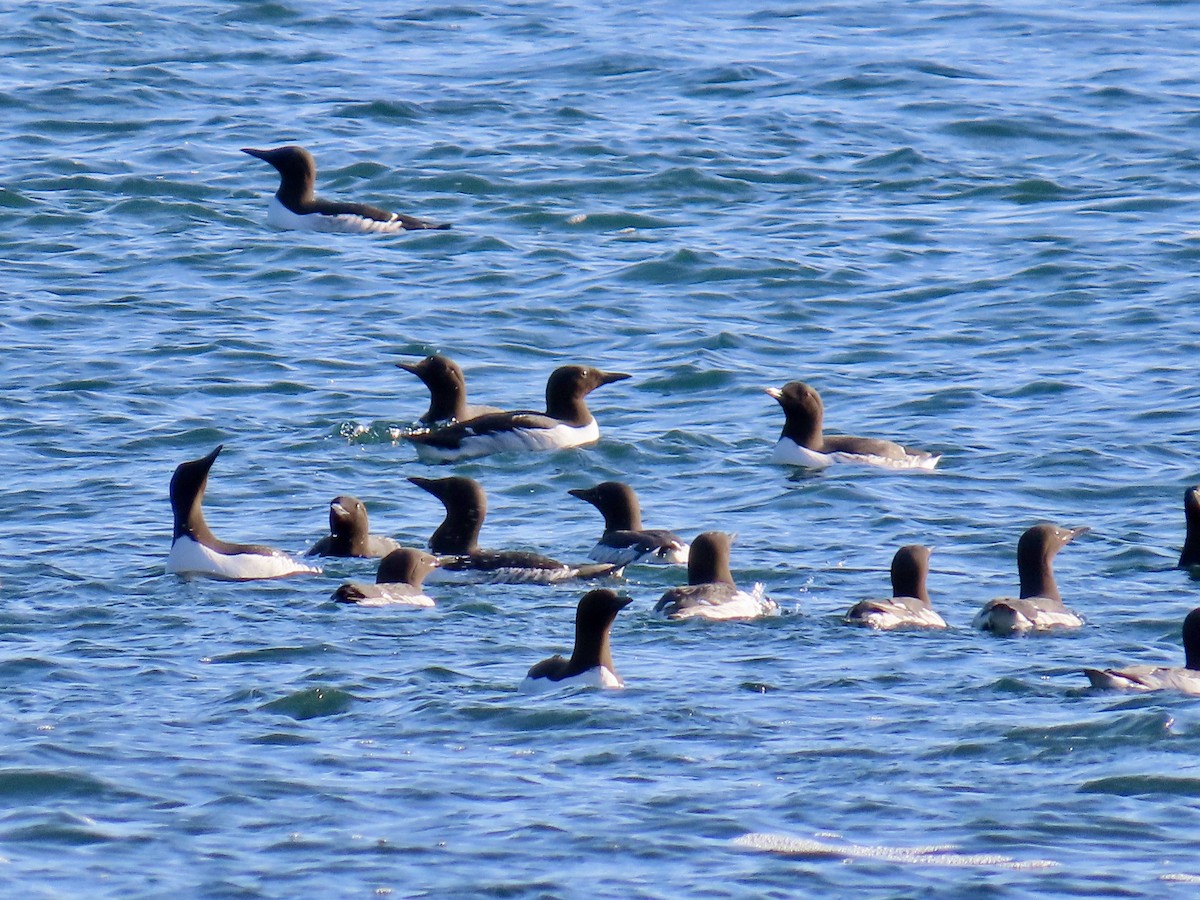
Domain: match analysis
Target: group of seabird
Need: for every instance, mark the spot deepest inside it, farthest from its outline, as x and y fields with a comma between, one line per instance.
x=454, y=430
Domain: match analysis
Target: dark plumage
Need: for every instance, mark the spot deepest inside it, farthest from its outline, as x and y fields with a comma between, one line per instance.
x=591, y=656
x=624, y=540
x=567, y=422
x=447, y=391
x=349, y=532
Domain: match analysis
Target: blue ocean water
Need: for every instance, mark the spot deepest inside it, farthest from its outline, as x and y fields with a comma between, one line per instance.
x=971, y=226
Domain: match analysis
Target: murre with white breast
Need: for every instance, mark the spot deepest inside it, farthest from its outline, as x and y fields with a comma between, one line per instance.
x=398, y=581
x=567, y=422
x=909, y=604
x=195, y=550
x=710, y=592
x=624, y=540
x=295, y=206
x=591, y=662
x=804, y=443
x=1040, y=606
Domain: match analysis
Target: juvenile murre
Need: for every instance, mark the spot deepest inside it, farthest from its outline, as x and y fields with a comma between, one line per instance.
x=349, y=532
x=567, y=422
x=624, y=540
x=447, y=391
x=1039, y=607
x=296, y=207
x=591, y=662
x=195, y=550
x=710, y=592
x=456, y=541
x=1157, y=678
x=398, y=581
x=804, y=443
x=909, y=604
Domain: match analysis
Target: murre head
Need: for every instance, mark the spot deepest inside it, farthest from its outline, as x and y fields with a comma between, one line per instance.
x=910, y=566
x=405, y=566
x=348, y=525
x=568, y=385
x=617, y=502
x=466, y=506
x=804, y=414
x=187, y=493
x=708, y=561
x=447, y=387
x=297, y=172
x=1035, y=556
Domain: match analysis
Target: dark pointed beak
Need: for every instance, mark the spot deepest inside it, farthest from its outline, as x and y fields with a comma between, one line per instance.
x=261, y=154
x=610, y=377
x=581, y=493
x=425, y=484
x=414, y=368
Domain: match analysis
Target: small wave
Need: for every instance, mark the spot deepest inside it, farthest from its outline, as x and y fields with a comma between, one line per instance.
x=311, y=704
x=936, y=855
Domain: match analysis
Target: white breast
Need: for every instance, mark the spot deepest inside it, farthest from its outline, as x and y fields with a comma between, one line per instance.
x=385, y=597
x=742, y=605
x=189, y=557
x=520, y=439
x=596, y=677
x=889, y=615
x=279, y=216
x=788, y=453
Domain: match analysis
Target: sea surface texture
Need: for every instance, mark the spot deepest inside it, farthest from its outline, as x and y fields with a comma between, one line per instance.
x=974, y=227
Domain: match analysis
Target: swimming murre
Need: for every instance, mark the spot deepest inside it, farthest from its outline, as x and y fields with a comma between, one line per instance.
x=624, y=540
x=398, y=581
x=710, y=592
x=349, y=532
x=1158, y=678
x=447, y=391
x=195, y=550
x=456, y=541
x=591, y=662
x=567, y=422
x=909, y=604
x=295, y=205
x=1039, y=607
x=804, y=443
